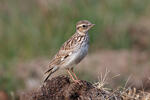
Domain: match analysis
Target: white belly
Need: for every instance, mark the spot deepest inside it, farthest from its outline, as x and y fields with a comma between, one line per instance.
x=76, y=57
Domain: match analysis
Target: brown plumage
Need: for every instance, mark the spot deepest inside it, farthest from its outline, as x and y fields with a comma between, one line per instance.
x=72, y=51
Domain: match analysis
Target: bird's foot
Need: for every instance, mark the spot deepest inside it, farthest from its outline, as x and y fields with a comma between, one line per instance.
x=77, y=81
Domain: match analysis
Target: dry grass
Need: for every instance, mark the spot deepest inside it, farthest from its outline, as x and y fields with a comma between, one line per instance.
x=125, y=93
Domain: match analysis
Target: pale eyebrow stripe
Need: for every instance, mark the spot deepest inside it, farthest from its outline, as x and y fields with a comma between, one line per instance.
x=81, y=25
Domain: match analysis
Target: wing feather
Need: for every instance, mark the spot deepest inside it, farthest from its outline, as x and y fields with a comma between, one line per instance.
x=66, y=50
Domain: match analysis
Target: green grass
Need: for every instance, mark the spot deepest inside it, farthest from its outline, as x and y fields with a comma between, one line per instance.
x=29, y=30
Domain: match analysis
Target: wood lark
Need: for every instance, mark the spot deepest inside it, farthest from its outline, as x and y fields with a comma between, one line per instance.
x=72, y=51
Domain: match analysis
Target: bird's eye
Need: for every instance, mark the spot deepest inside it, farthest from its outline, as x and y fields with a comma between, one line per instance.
x=83, y=25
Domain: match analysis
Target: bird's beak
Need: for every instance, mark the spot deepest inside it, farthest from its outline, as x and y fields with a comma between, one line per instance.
x=91, y=25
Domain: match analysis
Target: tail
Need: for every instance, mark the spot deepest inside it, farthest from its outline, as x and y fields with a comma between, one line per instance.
x=50, y=72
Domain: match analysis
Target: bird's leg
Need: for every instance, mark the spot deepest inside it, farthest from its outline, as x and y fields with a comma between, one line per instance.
x=74, y=74
x=70, y=75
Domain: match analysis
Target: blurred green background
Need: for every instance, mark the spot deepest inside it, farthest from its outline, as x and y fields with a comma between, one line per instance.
x=31, y=29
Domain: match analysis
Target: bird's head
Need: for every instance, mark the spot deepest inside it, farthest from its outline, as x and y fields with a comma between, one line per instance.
x=83, y=26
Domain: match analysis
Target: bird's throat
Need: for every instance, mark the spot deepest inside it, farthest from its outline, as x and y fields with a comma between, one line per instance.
x=81, y=33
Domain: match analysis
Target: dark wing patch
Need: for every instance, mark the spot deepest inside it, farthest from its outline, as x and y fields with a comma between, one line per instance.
x=72, y=42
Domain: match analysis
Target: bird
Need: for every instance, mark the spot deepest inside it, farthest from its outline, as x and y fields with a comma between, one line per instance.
x=72, y=51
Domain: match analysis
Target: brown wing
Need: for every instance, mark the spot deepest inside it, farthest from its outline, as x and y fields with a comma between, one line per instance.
x=72, y=43
x=58, y=59
x=66, y=49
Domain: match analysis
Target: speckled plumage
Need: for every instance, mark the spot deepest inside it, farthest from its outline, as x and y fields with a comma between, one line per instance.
x=73, y=50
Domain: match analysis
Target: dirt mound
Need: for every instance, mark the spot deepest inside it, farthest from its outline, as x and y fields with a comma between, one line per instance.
x=61, y=88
